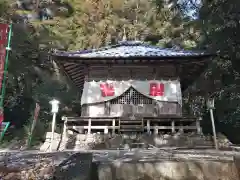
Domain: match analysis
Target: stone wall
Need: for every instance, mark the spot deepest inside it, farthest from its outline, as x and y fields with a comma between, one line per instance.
x=168, y=170
x=123, y=165
x=124, y=141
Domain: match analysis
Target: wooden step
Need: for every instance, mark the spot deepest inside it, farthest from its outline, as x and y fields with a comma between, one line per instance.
x=130, y=122
x=131, y=126
x=131, y=130
x=127, y=125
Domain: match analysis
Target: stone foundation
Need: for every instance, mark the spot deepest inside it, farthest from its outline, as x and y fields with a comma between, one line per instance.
x=168, y=170
x=123, y=165
x=127, y=141
x=101, y=141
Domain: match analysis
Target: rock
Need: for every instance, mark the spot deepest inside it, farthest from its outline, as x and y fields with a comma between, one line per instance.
x=166, y=136
x=115, y=142
x=223, y=140
x=56, y=136
x=46, y=172
x=77, y=166
x=12, y=176
x=81, y=137
x=126, y=146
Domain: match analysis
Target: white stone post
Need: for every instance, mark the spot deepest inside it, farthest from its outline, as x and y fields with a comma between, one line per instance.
x=55, y=107
x=210, y=105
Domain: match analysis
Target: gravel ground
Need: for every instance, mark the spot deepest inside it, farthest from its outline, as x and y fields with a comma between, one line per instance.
x=19, y=166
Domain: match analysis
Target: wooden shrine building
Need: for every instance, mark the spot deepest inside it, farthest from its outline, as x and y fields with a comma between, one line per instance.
x=132, y=86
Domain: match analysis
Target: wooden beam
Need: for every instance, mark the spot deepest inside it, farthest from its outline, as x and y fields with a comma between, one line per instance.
x=80, y=86
x=79, y=78
x=148, y=126
x=78, y=75
x=114, y=126
x=173, y=126
x=170, y=127
x=95, y=127
x=78, y=70
x=71, y=70
x=80, y=118
x=69, y=64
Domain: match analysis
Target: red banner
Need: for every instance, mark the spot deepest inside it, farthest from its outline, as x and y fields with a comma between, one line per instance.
x=156, y=89
x=1, y=116
x=107, y=89
x=3, y=33
x=3, y=41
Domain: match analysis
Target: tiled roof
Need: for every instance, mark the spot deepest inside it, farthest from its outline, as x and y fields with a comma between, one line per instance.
x=128, y=49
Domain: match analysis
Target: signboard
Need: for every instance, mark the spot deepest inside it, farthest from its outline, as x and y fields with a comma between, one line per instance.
x=161, y=90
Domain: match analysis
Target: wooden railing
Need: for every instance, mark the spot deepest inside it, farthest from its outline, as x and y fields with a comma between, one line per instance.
x=118, y=124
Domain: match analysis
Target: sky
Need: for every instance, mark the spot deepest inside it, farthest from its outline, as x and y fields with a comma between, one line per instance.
x=190, y=7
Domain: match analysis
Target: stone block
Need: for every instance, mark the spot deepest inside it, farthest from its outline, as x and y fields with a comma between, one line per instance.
x=80, y=137
x=46, y=145
x=77, y=166
x=56, y=135
x=169, y=170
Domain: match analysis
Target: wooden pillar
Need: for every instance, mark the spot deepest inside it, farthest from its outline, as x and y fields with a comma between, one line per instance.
x=89, y=126
x=65, y=129
x=106, y=130
x=75, y=128
x=64, y=141
x=148, y=126
x=113, y=124
x=199, y=130
x=156, y=129
x=173, y=126
x=81, y=130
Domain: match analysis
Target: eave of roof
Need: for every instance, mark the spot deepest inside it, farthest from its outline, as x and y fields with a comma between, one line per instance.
x=131, y=50
x=191, y=63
